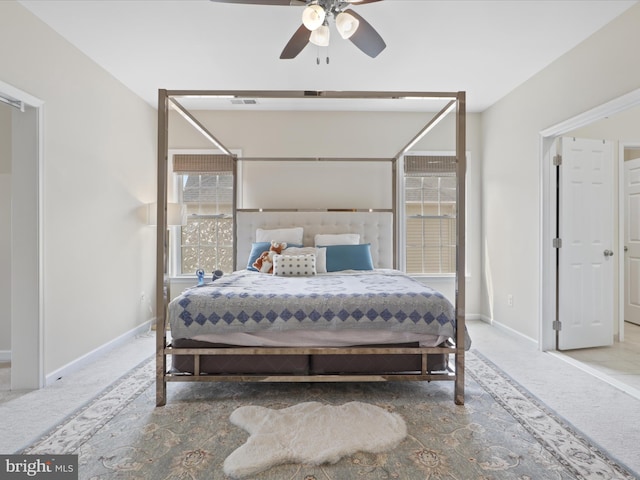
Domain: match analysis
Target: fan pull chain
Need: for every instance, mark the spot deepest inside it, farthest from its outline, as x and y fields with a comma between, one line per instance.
x=318, y=56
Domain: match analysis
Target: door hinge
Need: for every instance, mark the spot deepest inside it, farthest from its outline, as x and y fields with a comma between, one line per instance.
x=557, y=160
x=557, y=325
x=557, y=243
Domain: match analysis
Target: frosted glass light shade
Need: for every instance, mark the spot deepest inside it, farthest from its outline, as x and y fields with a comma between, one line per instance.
x=346, y=24
x=313, y=17
x=320, y=36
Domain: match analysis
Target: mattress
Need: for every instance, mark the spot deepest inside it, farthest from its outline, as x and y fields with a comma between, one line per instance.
x=319, y=338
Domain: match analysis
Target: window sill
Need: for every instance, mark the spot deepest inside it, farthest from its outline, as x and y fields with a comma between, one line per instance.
x=435, y=276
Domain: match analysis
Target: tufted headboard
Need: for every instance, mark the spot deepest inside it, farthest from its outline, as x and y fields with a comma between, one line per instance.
x=375, y=228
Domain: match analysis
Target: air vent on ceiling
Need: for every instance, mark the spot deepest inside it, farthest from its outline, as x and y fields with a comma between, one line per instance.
x=241, y=101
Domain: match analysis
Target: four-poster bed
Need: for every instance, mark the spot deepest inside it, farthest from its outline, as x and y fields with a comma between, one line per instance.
x=348, y=322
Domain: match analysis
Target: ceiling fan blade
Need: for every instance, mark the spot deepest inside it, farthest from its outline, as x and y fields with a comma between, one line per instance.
x=267, y=2
x=366, y=38
x=297, y=42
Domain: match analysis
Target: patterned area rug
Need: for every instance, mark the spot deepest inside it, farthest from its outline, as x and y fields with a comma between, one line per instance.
x=500, y=433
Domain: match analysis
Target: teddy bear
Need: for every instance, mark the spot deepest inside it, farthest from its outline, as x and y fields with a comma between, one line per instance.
x=264, y=263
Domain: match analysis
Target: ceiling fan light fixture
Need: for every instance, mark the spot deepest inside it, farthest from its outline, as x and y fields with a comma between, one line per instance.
x=313, y=17
x=320, y=36
x=346, y=24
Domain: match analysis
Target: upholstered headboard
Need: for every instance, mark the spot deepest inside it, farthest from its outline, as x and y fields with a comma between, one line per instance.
x=375, y=228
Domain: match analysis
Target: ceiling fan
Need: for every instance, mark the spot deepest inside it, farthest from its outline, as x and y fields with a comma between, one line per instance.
x=315, y=25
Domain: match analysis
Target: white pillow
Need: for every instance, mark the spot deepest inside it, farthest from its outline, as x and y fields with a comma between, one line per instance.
x=320, y=253
x=289, y=235
x=325, y=239
x=294, y=265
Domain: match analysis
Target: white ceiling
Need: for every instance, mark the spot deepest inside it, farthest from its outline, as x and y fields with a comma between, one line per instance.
x=486, y=48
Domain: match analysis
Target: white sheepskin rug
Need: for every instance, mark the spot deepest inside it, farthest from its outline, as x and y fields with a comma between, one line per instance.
x=311, y=433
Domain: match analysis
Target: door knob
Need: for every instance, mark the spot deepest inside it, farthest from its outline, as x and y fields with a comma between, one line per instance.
x=608, y=253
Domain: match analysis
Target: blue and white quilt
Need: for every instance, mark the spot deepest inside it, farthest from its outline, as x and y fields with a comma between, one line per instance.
x=248, y=301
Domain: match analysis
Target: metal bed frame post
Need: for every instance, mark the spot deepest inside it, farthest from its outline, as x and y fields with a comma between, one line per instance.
x=161, y=292
x=461, y=168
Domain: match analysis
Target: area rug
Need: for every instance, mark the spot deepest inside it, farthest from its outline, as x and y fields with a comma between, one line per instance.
x=501, y=432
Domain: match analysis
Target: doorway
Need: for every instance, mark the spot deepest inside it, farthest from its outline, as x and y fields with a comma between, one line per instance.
x=548, y=182
x=622, y=108
x=619, y=363
x=25, y=216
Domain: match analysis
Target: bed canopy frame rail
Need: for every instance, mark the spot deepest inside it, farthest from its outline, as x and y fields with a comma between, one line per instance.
x=169, y=98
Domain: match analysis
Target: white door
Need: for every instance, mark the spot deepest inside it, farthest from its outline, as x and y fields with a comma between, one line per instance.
x=632, y=241
x=585, y=226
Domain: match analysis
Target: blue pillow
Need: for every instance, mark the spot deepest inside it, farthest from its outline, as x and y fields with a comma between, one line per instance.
x=349, y=257
x=257, y=248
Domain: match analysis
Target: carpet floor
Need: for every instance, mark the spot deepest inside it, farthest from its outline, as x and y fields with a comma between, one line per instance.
x=501, y=432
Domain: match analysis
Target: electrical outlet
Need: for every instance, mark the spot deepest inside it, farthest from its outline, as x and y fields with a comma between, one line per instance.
x=510, y=300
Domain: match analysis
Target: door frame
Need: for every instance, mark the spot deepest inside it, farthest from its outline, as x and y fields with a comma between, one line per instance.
x=548, y=217
x=30, y=373
x=622, y=218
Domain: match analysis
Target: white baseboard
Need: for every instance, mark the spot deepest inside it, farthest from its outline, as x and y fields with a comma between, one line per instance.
x=5, y=355
x=82, y=361
x=512, y=332
x=502, y=327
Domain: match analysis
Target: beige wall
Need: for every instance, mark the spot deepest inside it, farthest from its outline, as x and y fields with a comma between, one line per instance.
x=309, y=185
x=312, y=134
x=631, y=153
x=345, y=134
x=621, y=127
x=99, y=168
x=5, y=231
x=596, y=71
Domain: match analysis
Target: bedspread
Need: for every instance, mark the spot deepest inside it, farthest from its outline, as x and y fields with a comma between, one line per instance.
x=251, y=302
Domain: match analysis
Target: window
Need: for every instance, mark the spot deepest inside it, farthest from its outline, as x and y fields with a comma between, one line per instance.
x=206, y=188
x=430, y=214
